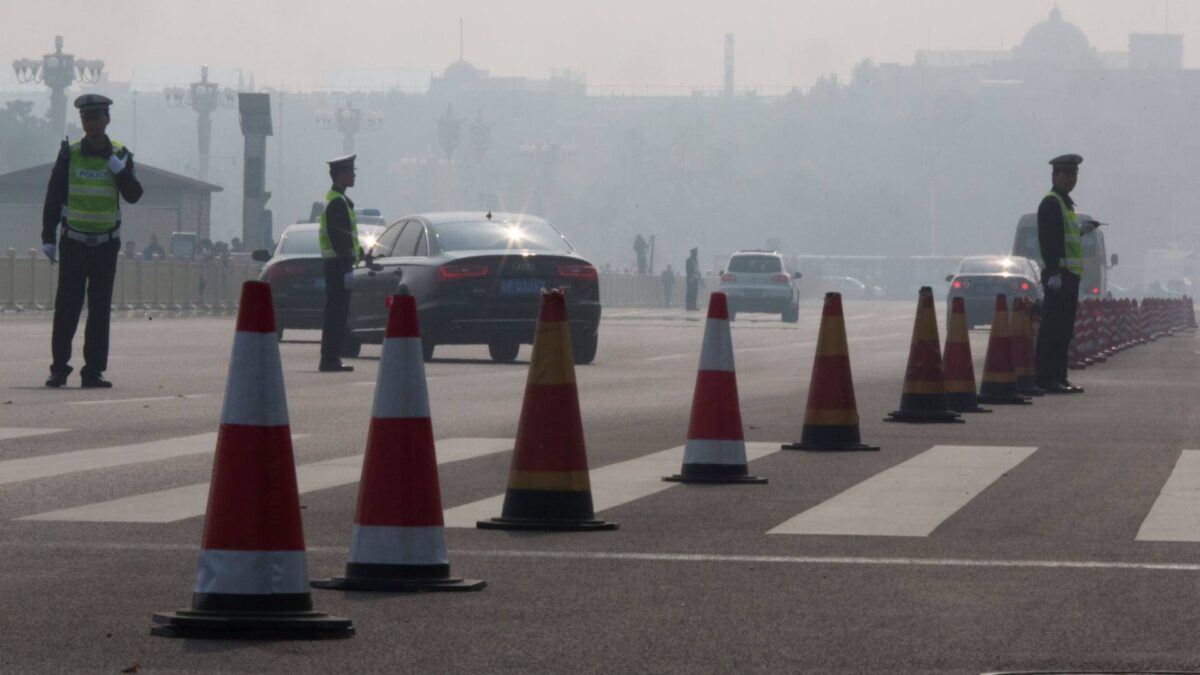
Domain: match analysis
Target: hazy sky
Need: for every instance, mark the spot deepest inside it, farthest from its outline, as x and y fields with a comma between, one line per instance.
x=614, y=42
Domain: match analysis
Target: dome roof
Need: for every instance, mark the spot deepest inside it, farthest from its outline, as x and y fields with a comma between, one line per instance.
x=1055, y=42
x=461, y=70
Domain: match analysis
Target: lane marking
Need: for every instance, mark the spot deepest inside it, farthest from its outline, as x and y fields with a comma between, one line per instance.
x=30, y=468
x=910, y=499
x=372, y=383
x=19, y=432
x=191, y=549
x=612, y=485
x=141, y=400
x=1175, y=515
x=666, y=357
x=168, y=506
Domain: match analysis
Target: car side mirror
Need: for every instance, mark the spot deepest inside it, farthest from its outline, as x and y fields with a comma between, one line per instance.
x=949, y=277
x=261, y=255
x=796, y=275
x=1114, y=259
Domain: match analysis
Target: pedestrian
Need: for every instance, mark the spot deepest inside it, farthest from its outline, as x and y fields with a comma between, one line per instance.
x=668, y=279
x=1059, y=232
x=153, y=248
x=640, y=247
x=89, y=178
x=338, y=238
x=692, y=274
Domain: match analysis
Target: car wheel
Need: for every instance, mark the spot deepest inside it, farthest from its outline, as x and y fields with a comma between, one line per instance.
x=427, y=349
x=351, y=346
x=504, y=351
x=791, y=314
x=583, y=347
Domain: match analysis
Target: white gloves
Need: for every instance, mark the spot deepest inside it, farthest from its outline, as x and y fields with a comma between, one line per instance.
x=115, y=164
x=349, y=280
x=51, y=252
x=1054, y=283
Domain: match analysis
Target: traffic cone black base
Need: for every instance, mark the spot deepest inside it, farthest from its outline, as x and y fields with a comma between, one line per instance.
x=503, y=523
x=830, y=448
x=714, y=473
x=399, y=578
x=830, y=439
x=303, y=625
x=1004, y=400
x=925, y=417
x=965, y=403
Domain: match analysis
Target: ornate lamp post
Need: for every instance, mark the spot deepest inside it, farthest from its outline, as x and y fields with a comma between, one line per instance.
x=480, y=134
x=349, y=121
x=58, y=71
x=203, y=97
x=449, y=132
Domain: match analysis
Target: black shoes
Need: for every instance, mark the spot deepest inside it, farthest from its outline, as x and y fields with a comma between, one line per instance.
x=56, y=380
x=334, y=367
x=1070, y=388
x=95, y=382
x=1060, y=388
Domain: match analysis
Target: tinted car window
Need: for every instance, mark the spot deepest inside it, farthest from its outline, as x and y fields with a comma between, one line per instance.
x=484, y=235
x=383, y=247
x=299, y=242
x=408, y=240
x=755, y=264
x=422, y=245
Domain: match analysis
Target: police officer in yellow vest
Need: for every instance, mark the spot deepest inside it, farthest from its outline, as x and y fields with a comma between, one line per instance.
x=341, y=250
x=1059, y=233
x=83, y=205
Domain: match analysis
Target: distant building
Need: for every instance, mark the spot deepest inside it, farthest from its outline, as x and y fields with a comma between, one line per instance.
x=462, y=77
x=172, y=203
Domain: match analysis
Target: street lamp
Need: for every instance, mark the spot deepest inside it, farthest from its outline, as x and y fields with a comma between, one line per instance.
x=58, y=71
x=449, y=131
x=203, y=97
x=481, y=136
x=348, y=120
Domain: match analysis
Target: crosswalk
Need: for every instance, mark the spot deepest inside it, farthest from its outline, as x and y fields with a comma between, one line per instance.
x=911, y=498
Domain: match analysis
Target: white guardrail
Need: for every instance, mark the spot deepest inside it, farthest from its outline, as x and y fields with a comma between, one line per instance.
x=28, y=283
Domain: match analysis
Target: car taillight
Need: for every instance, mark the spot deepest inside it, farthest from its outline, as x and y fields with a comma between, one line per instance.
x=284, y=272
x=1024, y=285
x=585, y=272
x=1095, y=290
x=780, y=279
x=957, y=285
x=456, y=271
x=728, y=277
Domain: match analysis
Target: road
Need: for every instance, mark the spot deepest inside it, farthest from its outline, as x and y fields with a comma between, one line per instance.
x=1062, y=535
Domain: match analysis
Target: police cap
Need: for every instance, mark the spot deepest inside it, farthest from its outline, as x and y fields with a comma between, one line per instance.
x=89, y=103
x=341, y=162
x=1066, y=162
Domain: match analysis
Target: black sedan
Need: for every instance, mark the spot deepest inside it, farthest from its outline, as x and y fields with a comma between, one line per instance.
x=296, y=274
x=477, y=279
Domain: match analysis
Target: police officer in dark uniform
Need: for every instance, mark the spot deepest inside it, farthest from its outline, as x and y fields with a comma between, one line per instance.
x=1059, y=233
x=338, y=237
x=691, y=271
x=83, y=203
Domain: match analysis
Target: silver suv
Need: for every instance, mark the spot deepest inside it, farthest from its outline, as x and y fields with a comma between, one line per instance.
x=759, y=281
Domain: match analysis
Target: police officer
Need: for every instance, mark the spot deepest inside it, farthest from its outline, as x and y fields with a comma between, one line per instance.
x=83, y=203
x=1059, y=233
x=692, y=278
x=338, y=237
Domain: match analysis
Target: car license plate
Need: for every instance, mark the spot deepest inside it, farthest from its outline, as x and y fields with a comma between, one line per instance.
x=521, y=286
x=319, y=282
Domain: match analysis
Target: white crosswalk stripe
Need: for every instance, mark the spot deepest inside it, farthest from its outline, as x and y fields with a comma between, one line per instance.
x=19, y=432
x=612, y=485
x=30, y=468
x=166, y=506
x=1175, y=515
x=912, y=498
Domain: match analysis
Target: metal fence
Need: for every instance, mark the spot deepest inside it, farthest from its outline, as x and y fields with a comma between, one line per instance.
x=28, y=283
x=643, y=290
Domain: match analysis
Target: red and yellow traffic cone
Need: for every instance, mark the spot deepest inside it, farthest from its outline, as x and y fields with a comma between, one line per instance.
x=999, y=383
x=960, y=367
x=831, y=417
x=252, y=577
x=1022, y=345
x=548, y=486
x=715, y=451
x=399, y=538
x=924, y=397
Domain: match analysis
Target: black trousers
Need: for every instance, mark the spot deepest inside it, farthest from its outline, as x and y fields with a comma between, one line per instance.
x=83, y=270
x=1057, y=329
x=693, y=288
x=337, y=306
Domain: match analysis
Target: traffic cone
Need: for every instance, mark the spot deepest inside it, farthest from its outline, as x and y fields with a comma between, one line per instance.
x=399, y=538
x=999, y=378
x=960, y=366
x=252, y=577
x=548, y=485
x=1023, y=348
x=831, y=417
x=715, y=451
x=924, y=395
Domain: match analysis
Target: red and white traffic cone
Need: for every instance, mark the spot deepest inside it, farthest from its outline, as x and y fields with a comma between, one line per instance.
x=252, y=577
x=399, y=538
x=715, y=451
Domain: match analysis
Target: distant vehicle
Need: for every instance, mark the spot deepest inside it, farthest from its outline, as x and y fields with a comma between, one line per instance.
x=297, y=275
x=850, y=287
x=183, y=245
x=759, y=281
x=370, y=217
x=981, y=278
x=1096, y=263
x=476, y=281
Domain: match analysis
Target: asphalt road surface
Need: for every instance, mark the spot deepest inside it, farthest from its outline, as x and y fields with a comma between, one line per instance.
x=1062, y=535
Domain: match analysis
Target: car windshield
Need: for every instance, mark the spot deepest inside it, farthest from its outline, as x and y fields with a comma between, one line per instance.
x=486, y=236
x=755, y=264
x=299, y=242
x=991, y=266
